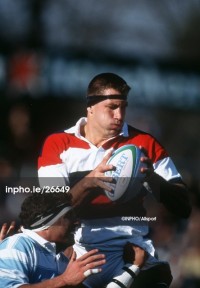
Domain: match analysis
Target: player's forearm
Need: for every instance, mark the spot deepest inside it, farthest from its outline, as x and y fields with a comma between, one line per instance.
x=57, y=282
x=173, y=196
x=125, y=277
x=80, y=191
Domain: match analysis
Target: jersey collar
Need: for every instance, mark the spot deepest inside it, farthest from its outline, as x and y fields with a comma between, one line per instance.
x=50, y=246
x=82, y=121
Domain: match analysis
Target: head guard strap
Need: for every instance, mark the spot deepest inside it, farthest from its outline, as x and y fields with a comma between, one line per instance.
x=93, y=99
x=48, y=218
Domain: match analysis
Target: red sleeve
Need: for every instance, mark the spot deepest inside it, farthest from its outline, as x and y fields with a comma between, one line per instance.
x=53, y=147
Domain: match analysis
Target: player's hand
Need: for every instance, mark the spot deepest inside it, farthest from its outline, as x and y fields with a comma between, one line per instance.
x=7, y=230
x=135, y=255
x=79, y=269
x=148, y=167
x=97, y=178
x=93, y=180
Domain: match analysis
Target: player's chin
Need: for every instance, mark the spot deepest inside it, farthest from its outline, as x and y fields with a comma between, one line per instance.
x=116, y=127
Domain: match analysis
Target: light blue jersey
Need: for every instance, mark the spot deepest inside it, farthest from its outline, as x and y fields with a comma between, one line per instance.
x=27, y=258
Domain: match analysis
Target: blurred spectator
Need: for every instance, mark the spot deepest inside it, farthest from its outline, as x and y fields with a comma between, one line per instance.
x=7, y=172
x=24, y=73
x=17, y=159
x=21, y=140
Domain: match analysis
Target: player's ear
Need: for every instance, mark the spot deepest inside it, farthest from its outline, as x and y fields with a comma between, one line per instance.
x=90, y=110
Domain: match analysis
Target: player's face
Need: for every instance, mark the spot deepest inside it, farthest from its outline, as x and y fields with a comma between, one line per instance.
x=62, y=228
x=108, y=115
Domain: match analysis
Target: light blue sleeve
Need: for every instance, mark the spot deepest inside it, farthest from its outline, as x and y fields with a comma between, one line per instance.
x=15, y=264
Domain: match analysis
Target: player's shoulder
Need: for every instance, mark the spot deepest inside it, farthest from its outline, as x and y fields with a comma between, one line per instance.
x=58, y=139
x=133, y=131
x=17, y=241
x=63, y=140
x=140, y=135
x=149, y=142
x=57, y=136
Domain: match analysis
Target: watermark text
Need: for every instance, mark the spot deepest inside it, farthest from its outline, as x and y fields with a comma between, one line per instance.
x=139, y=218
x=36, y=189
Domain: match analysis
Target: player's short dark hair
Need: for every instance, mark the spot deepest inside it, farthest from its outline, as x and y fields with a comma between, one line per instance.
x=37, y=204
x=105, y=81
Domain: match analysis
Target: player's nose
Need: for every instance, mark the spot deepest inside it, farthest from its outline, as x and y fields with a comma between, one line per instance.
x=119, y=114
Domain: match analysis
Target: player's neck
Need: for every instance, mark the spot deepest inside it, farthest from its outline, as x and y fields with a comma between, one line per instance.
x=93, y=136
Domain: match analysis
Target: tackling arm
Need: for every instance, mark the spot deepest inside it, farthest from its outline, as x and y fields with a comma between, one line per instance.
x=173, y=193
x=174, y=196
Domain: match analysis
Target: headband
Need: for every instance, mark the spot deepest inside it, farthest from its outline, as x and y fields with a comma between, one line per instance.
x=48, y=218
x=93, y=99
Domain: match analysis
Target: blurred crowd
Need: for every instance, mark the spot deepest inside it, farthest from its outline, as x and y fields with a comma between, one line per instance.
x=22, y=134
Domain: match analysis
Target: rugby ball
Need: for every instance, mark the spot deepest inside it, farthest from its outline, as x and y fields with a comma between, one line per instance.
x=128, y=180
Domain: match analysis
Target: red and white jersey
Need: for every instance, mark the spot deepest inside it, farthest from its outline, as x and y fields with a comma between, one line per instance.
x=68, y=156
x=67, y=153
